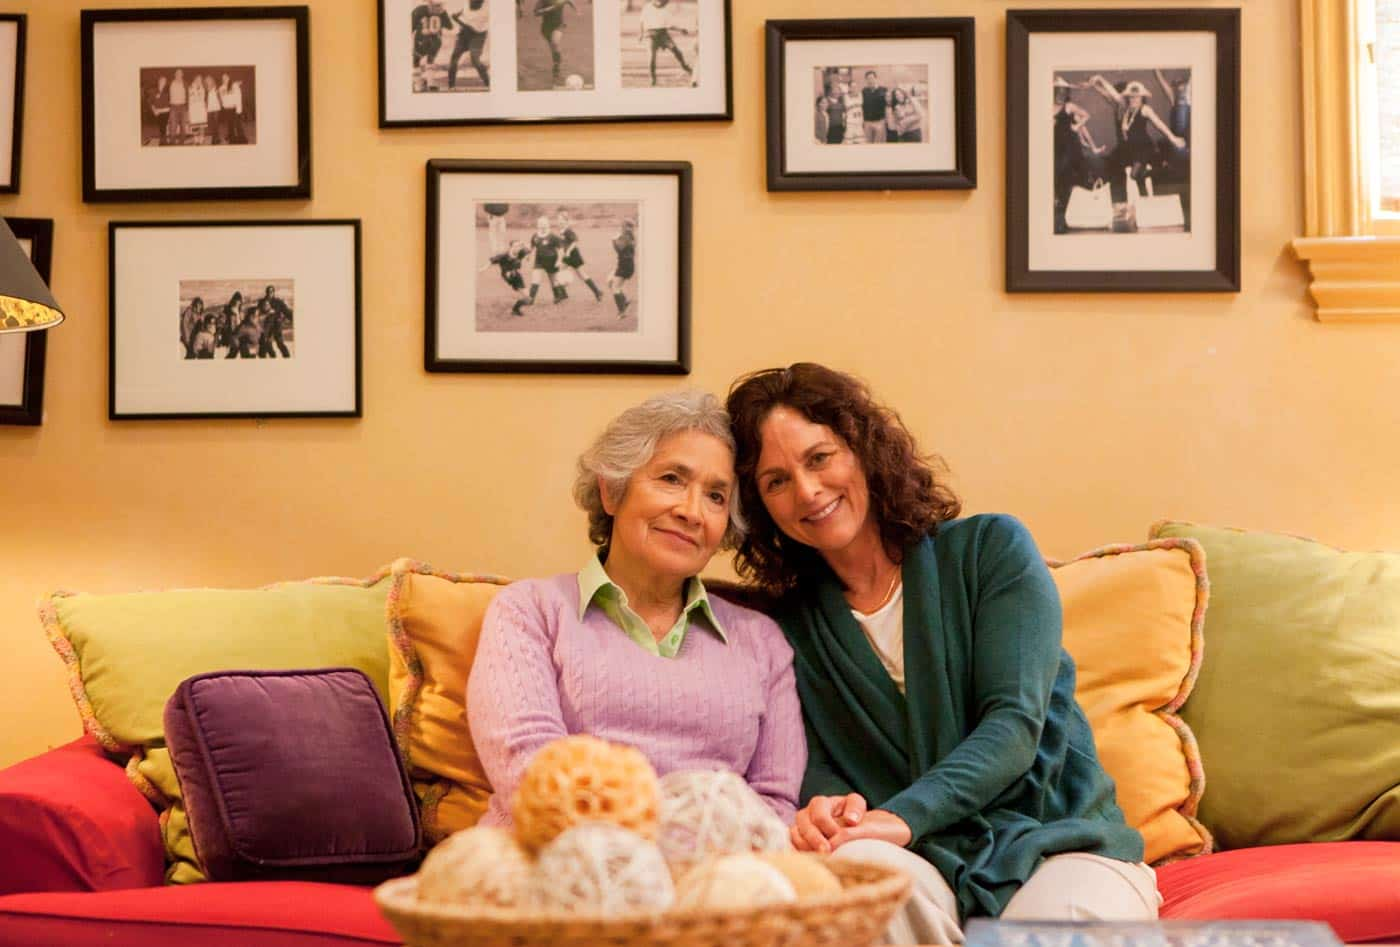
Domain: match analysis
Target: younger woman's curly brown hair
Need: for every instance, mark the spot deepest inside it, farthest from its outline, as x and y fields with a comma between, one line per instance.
x=907, y=498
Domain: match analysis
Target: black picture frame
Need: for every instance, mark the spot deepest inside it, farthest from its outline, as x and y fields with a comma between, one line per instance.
x=961, y=175
x=1224, y=273
x=30, y=409
x=394, y=115
x=668, y=357
x=349, y=294
x=297, y=184
x=21, y=23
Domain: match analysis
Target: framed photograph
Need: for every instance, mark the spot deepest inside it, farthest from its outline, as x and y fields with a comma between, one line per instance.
x=273, y=306
x=1122, y=150
x=871, y=105
x=12, y=34
x=196, y=103
x=470, y=62
x=542, y=266
x=22, y=353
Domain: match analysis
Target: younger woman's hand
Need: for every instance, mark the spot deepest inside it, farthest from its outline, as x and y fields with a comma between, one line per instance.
x=877, y=824
x=823, y=818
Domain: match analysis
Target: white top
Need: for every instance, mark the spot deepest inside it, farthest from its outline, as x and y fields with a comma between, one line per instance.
x=884, y=629
x=655, y=18
x=478, y=19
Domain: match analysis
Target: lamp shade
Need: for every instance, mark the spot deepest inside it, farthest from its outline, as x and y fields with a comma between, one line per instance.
x=25, y=301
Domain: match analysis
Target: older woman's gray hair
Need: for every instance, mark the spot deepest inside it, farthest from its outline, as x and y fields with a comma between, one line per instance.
x=629, y=442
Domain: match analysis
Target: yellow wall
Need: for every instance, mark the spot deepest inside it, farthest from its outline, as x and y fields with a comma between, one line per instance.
x=1088, y=416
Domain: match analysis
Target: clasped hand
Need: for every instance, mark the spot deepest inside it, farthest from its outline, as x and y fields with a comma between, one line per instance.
x=828, y=822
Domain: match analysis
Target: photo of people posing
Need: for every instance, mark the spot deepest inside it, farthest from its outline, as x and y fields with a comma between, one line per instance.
x=198, y=105
x=565, y=266
x=450, y=46
x=1122, y=150
x=237, y=319
x=870, y=105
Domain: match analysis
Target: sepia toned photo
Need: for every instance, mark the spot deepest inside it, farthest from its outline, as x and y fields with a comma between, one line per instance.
x=450, y=52
x=244, y=318
x=554, y=45
x=1122, y=150
x=870, y=105
x=198, y=105
x=660, y=43
x=557, y=267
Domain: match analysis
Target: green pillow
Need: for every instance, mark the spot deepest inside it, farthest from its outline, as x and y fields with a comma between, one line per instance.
x=126, y=654
x=1297, y=706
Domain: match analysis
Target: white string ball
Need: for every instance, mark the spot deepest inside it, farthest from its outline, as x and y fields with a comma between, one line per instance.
x=714, y=812
x=581, y=779
x=478, y=866
x=732, y=882
x=600, y=868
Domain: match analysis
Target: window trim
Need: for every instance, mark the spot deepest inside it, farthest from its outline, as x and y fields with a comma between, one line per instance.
x=1354, y=260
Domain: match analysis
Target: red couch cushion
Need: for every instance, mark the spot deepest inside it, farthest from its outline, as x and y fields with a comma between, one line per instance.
x=70, y=820
x=1354, y=886
x=236, y=914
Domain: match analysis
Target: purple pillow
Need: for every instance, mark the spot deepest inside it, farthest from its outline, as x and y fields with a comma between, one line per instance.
x=291, y=775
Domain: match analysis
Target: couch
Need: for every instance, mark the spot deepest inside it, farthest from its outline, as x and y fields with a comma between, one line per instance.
x=82, y=860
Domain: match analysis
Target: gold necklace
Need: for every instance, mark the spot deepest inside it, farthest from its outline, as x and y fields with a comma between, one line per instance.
x=889, y=593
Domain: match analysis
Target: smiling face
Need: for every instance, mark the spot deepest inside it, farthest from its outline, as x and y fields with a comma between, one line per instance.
x=672, y=518
x=811, y=483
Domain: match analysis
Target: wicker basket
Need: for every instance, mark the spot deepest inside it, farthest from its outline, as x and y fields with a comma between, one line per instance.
x=854, y=918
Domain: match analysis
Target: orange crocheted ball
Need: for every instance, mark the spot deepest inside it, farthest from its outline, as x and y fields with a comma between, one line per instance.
x=583, y=779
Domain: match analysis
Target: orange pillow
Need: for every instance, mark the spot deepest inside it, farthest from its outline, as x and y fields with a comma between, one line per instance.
x=434, y=624
x=1132, y=622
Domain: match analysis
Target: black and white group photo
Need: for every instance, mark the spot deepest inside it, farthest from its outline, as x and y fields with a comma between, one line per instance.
x=557, y=267
x=1122, y=150
x=660, y=43
x=450, y=52
x=198, y=105
x=870, y=105
x=240, y=318
x=554, y=45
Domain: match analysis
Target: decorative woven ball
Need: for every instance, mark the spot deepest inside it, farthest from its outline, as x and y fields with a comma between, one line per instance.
x=714, y=812
x=731, y=882
x=480, y=866
x=581, y=779
x=602, y=869
x=807, y=871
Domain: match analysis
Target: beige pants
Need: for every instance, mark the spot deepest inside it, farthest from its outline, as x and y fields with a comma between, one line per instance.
x=1075, y=886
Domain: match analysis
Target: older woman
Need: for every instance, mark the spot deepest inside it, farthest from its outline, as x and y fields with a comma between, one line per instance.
x=631, y=648
x=943, y=733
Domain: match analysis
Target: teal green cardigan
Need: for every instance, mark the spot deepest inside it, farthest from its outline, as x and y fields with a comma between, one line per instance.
x=986, y=756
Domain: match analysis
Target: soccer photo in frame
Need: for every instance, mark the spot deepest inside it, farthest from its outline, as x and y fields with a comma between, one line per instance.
x=22, y=353
x=196, y=103
x=544, y=266
x=1122, y=150
x=234, y=319
x=871, y=104
x=475, y=62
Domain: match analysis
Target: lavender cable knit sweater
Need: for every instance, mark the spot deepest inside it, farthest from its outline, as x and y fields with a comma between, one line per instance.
x=540, y=673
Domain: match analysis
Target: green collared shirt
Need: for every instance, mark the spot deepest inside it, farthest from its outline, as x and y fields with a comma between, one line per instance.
x=594, y=587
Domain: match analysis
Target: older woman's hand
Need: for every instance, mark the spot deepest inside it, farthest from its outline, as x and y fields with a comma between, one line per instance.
x=823, y=818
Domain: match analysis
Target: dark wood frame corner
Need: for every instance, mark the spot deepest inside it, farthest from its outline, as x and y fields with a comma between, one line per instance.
x=962, y=30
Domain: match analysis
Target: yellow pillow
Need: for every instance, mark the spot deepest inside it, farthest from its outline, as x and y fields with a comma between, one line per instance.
x=127, y=653
x=1132, y=622
x=434, y=624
